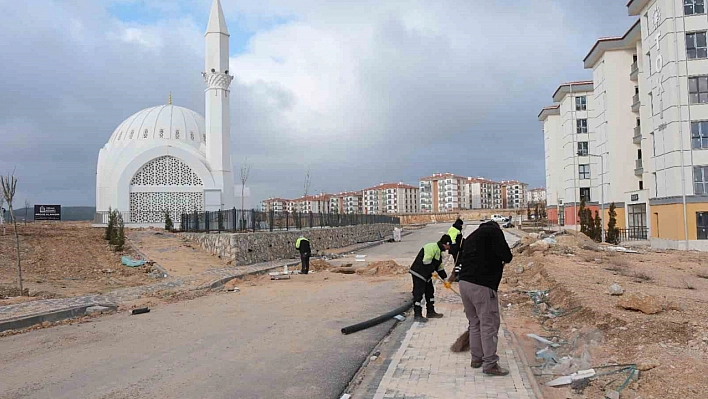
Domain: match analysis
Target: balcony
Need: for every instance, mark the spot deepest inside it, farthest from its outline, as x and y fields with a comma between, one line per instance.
x=637, y=139
x=635, y=103
x=638, y=167
x=634, y=71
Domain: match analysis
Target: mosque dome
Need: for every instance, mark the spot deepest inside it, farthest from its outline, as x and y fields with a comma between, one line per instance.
x=163, y=123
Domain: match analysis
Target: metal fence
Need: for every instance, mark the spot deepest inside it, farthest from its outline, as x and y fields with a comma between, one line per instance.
x=634, y=234
x=252, y=220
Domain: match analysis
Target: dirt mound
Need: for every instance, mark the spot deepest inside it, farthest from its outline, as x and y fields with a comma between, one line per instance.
x=319, y=265
x=383, y=268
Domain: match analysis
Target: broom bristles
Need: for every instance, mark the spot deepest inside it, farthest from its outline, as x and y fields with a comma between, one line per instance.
x=462, y=344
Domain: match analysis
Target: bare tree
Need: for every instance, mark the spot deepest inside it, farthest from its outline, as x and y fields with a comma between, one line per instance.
x=9, y=185
x=306, y=186
x=2, y=213
x=245, y=171
x=27, y=205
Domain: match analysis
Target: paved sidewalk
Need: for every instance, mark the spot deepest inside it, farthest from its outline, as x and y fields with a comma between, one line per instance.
x=424, y=367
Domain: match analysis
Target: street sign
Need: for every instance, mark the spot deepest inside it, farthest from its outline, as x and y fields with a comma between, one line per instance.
x=47, y=212
x=635, y=197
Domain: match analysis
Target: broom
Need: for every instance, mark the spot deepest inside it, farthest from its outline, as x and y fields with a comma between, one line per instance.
x=462, y=344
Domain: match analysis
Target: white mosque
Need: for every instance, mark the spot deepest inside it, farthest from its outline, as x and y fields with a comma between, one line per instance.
x=169, y=157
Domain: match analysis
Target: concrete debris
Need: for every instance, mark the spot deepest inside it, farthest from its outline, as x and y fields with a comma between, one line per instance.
x=519, y=269
x=642, y=302
x=93, y=310
x=620, y=249
x=612, y=395
x=542, y=307
x=280, y=277
x=616, y=289
x=529, y=265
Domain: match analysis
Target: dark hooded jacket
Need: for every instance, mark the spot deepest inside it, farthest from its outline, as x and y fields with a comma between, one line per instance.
x=483, y=256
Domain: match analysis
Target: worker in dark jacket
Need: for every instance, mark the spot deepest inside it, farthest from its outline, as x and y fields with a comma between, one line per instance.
x=480, y=269
x=455, y=233
x=303, y=245
x=428, y=261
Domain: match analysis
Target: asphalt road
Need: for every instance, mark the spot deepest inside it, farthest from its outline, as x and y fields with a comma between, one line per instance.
x=274, y=340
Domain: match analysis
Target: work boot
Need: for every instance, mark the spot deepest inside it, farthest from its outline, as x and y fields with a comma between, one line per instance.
x=432, y=314
x=418, y=311
x=496, y=370
x=475, y=364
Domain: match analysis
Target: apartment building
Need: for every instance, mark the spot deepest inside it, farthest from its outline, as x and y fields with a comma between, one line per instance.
x=443, y=192
x=673, y=89
x=274, y=204
x=514, y=194
x=646, y=144
x=567, y=133
x=536, y=196
x=347, y=202
x=483, y=193
x=395, y=198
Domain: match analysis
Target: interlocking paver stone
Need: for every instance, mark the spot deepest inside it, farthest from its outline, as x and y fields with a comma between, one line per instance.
x=424, y=367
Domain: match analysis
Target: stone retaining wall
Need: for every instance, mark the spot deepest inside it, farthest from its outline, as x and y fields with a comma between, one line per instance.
x=249, y=248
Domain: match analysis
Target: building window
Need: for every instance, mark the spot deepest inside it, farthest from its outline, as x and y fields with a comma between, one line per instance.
x=582, y=148
x=691, y=7
x=700, y=180
x=145, y=134
x=581, y=103
x=698, y=90
x=584, y=172
x=177, y=133
x=696, y=45
x=585, y=194
x=641, y=184
x=581, y=125
x=699, y=135
x=702, y=225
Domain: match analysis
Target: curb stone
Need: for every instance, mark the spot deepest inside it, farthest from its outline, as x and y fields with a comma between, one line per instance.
x=52, y=316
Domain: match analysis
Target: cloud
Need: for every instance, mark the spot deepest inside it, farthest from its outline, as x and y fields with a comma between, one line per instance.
x=359, y=91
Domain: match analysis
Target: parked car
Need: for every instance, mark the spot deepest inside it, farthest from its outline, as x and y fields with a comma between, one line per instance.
x=499, y=218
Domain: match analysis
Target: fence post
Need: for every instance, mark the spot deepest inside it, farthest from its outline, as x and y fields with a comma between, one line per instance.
x=253, y=219
x=271, y=216
x=287, y=220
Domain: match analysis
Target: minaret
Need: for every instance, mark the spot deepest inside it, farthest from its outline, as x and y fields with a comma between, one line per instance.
x=217, y=78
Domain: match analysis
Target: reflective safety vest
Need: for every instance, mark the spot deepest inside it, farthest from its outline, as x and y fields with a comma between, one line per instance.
x=431, y=251
x=453, y=232
x=299, y=240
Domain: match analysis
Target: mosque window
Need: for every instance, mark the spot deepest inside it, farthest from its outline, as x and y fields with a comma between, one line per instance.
x=177, y=133
x=120, y=135
x=145, y=134
x=162, y=133
x=131, y=133
x=191, y=135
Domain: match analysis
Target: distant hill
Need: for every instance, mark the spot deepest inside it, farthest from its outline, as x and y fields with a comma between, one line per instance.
x=68, y=213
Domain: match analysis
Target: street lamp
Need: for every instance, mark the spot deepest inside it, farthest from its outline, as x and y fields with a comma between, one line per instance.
x=602, y=189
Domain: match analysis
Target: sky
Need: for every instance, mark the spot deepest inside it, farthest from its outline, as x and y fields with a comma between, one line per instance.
x=359, y=92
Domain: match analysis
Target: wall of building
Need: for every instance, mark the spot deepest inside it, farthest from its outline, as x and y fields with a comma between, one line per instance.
x=249, y=248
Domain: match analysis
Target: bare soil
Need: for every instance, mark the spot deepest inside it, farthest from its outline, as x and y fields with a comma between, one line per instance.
x=178, y=256
x=382, y=268
x=586, y=316
x=63, y=259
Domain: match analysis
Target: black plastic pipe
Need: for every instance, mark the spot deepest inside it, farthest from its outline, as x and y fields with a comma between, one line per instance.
x=377, y=320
